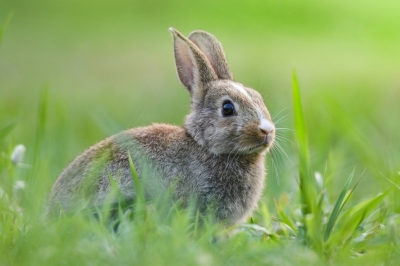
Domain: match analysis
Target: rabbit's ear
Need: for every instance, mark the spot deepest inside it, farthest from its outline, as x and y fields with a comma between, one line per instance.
x=193, y=68
x=212, y=49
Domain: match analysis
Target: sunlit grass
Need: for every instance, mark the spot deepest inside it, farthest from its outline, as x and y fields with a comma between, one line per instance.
x=318, y=230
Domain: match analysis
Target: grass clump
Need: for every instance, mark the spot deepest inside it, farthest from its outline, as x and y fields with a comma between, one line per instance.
x=313, y=230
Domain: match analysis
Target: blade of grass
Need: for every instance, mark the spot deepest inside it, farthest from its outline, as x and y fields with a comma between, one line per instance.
x=313, y=232
x=140, y=202
x=307, y=182
x=312, y=216
x=266, y=215
x=392, y=183
x=350, y=221
x=136, y=182
x=338, y=206
x=114, y=197
x=116, y=192
x=284, y=219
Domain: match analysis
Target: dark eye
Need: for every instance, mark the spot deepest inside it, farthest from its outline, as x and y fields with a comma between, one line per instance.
x=228, y=109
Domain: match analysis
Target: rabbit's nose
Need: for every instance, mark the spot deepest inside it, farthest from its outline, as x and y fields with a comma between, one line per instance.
x=264, y=132
x=266, y=126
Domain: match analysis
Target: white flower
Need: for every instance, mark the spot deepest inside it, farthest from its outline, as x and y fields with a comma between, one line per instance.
x=18, y=154
x=319, y=179
x=19, y=184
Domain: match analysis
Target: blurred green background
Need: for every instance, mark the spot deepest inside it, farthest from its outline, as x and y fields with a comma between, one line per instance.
x=108, y=66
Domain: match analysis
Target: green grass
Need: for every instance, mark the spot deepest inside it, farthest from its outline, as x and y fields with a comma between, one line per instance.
x=313, y=233
x=74, y=73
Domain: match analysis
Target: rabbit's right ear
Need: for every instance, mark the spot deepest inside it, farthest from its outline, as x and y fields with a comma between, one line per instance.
x=194, y=69
x=212, y=49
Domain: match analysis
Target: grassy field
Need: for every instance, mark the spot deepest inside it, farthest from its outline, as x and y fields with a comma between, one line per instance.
x=74, y=72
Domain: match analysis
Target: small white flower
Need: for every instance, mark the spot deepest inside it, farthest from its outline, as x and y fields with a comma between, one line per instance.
x=18, y=154
x=19, y=185
x=319, y=179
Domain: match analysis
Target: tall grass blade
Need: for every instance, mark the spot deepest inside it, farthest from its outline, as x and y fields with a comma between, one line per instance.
x=114, y=197
x=312, y=217
x=307, y=182
x=140, y=203
x=338, y=206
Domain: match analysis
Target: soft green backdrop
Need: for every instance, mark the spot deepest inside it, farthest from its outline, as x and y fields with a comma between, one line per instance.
x=108, y=66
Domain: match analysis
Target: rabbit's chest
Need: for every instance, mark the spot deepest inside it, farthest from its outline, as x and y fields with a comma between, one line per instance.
x=235, y=190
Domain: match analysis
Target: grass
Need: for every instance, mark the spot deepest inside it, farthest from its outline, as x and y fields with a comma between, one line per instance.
x=317, y=232
x=73, y=74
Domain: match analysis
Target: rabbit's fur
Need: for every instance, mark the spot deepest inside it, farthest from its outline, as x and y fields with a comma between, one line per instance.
x=217, y=159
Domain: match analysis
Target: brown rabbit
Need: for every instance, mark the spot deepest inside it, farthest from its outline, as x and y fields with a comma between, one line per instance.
x=217, y=157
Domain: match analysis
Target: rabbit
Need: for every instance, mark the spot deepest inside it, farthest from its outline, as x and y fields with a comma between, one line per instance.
x=216, y=157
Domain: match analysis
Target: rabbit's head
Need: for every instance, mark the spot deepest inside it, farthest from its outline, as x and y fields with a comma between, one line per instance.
x=226, y=117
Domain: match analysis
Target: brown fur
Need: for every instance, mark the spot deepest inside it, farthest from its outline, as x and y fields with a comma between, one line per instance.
x=215, y=159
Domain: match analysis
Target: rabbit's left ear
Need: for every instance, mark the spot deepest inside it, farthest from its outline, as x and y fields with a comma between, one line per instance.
x=212, y=49
x=194, y=70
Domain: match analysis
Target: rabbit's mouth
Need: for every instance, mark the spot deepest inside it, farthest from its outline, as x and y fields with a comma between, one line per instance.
x=265, y=144
x=257, y=149
x=268, y=140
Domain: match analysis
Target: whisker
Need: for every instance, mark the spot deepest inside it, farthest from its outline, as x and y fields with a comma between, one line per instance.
x=276, y=161
x=279, y=137
x=279, y=147
x=277, y=121
x=284, y=128
x=277, y=114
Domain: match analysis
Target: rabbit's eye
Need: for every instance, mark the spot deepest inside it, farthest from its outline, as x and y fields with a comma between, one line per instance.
x=228, y=109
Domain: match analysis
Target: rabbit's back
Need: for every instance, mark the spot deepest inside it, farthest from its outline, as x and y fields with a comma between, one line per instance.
x=86, y=181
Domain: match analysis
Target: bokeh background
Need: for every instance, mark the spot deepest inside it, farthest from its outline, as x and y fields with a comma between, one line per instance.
x=108, y=66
